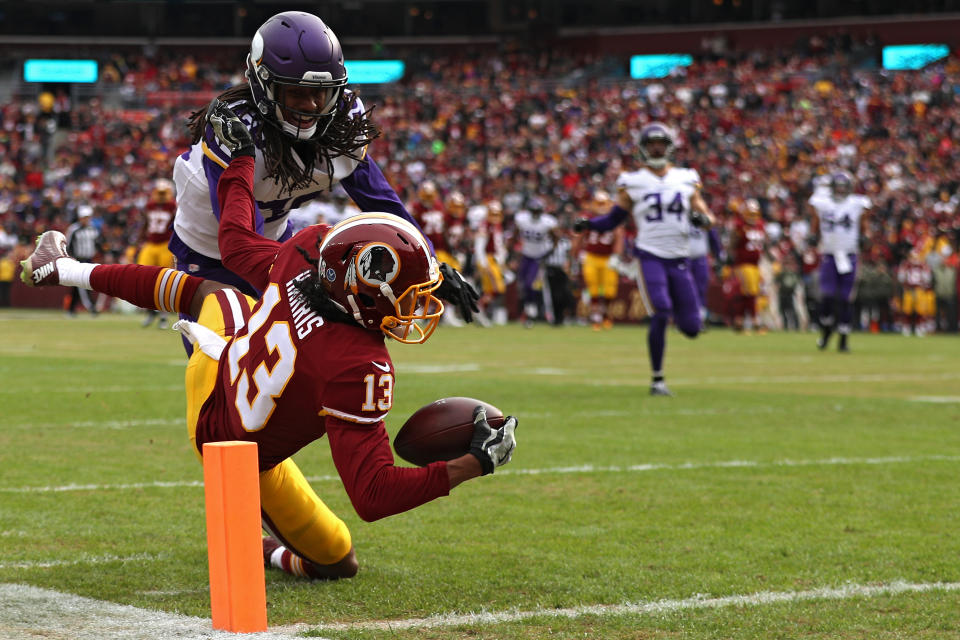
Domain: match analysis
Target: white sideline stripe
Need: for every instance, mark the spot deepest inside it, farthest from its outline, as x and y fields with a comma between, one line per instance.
x=437, y=368
x=46, y=564
x=91, y=390
x=31, y=612
x=825, y=378
x=730, y=464
x=109, y=424
x=698, y=601
x=587, y=468
x=173, y=484
x=936, y=399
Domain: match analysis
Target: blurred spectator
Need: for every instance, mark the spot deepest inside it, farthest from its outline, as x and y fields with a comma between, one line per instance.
x=84, y=243
x=788, y=285
x=7, y=273
x=945, y=288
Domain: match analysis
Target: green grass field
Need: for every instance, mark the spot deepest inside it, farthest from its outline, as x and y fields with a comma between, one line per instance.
x=783, y=493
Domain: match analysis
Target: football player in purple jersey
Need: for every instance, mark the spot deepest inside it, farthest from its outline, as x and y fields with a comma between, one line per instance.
x=310, y=133
x=666, y=204
x=839, y=219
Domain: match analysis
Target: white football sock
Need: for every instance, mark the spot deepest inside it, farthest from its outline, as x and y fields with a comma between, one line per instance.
x=73, y=273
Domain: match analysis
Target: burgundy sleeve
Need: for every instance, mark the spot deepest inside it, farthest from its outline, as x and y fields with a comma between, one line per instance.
x=242, y=249
x=376, y=487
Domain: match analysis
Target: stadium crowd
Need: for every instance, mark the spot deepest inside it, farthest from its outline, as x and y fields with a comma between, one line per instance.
x=488, y=132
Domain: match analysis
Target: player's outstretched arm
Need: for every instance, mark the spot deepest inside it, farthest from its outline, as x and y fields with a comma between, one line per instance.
x=144, y=286
x=242, y=249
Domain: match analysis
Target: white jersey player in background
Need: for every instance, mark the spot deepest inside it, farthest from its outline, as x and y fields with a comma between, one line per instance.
x=538, y=233
x=838, y=218
x=666, y=204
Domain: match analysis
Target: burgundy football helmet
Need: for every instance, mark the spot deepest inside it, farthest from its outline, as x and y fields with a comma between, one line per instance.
x=379, y=269
x=656, y=132
x=294, y=49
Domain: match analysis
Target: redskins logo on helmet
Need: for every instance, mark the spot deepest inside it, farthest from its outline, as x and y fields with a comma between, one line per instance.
x=379, y=269
x=377, y=263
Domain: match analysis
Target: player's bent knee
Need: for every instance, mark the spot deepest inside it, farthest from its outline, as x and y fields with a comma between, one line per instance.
x=348, y=567
x=690, y=327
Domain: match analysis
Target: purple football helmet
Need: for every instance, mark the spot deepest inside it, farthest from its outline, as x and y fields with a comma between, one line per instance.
x=296, y=53
x=656, y=132
x=841, y=184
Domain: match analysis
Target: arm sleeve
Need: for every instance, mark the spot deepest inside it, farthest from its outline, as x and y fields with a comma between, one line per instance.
x=242, y=249
x=375, y=486
x=713, y=238
x=369, y=189
x=610, y=220
x=215, y=161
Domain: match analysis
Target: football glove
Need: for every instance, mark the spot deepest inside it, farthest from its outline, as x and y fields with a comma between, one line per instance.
x=230, y=132
x=492, y=447
x=699, y=220
x=456, y=290
x=581, y=225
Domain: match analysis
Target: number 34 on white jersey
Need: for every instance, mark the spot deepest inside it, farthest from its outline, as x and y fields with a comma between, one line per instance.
x=661, y=209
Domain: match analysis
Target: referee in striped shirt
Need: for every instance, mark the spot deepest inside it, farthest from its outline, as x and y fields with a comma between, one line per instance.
x=83, y=243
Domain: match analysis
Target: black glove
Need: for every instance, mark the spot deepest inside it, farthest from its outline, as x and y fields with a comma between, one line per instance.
x=458, y=291
x=699, y=220
x=581, y=225
x=492, y=447
x=230, y=132
x=813, y=239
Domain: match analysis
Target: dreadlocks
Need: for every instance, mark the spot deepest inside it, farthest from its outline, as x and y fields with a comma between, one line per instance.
x=311, y=288
x=346, y=136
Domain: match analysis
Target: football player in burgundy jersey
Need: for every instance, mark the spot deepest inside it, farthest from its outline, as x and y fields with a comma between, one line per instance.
x=307, y=359
x=747, y=241
x=601, y=280
x=155, y=234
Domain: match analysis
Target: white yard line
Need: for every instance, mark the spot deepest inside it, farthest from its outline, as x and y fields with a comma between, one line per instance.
x=83, y=559
x=825, y=378
x=32, y=612
x=936, y=399
x=657, y=607
x=587, y=468
x=102, y=424
x=39, y=389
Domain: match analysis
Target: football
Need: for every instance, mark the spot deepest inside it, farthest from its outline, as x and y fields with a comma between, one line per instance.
x=441, y=430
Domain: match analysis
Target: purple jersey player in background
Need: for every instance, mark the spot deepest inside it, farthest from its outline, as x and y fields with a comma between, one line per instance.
x=538, y=236
x=310, y=132
x=666, y=205
x=838, y=219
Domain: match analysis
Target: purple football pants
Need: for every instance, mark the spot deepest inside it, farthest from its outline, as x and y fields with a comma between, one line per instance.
x=668, y=290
